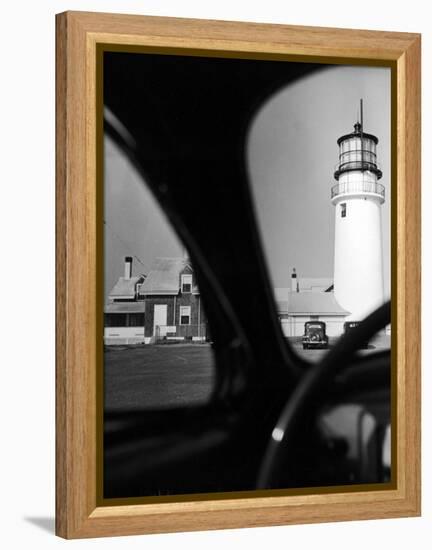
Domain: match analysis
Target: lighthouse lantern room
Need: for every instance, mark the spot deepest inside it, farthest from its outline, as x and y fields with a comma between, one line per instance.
x=358, y=197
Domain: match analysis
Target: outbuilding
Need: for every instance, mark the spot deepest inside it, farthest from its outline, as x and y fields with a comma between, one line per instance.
x=311, y=306
x=124, y=312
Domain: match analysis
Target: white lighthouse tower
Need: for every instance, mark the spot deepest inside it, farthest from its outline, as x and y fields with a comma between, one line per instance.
x=358, y=197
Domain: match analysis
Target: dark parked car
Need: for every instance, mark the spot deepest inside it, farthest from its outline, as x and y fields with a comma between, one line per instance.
x=315, y=335
x=352, y=325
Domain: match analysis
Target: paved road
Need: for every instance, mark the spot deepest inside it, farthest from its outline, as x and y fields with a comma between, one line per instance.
x=379, y=343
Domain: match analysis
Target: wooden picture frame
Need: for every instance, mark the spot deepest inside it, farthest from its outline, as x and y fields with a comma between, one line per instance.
x=78, y=513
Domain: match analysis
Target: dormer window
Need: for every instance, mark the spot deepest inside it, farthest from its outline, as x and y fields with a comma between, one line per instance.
x=186, y=283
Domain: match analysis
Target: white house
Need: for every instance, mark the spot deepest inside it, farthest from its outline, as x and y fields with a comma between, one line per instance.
x=124, y=312
x=311, y=306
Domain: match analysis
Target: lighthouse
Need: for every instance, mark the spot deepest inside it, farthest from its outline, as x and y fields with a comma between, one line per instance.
x=358, y=198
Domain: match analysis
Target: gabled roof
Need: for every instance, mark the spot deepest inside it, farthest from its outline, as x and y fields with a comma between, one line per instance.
x=310, y=283
x=125, y=307
x=306, y=284
x=311, y=303
x=125, y=288
x=164, y=277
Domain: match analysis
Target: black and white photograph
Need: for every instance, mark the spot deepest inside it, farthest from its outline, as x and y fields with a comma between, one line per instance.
x=247, y=274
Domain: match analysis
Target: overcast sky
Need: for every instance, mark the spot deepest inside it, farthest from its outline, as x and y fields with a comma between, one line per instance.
x=292, y=153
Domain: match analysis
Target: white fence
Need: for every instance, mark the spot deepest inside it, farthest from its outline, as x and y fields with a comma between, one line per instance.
x=193, y=333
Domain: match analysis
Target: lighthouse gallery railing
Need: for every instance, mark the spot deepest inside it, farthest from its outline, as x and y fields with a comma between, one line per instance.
x=358, y=187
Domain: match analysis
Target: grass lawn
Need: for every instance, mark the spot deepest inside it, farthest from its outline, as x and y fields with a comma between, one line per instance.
x=161, y=376
x=156, y=376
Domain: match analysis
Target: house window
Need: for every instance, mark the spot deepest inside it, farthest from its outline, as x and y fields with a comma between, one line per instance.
x=185, y=315
x=136, y=319
x=186, y=283
x=115, y=320
x=343, y=210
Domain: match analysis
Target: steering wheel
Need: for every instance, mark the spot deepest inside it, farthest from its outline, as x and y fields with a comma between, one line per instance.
x=310, y=394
